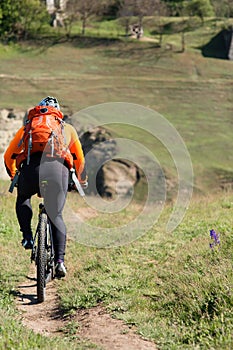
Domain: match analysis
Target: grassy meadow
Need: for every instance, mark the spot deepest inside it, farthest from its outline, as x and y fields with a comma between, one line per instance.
x=192, y=92
x=171, y=287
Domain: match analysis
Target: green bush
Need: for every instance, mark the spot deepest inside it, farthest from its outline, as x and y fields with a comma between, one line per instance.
x=20, y=19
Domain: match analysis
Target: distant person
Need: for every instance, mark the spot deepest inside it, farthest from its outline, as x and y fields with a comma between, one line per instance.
x=35, y=165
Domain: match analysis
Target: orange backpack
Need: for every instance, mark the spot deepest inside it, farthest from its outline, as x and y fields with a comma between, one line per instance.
x=44, y=132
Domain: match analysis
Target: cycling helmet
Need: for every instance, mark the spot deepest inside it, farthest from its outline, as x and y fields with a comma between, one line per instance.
x=50, y=101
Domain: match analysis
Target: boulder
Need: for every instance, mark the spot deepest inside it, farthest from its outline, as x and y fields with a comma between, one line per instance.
x=117, y=177
x=108, y=176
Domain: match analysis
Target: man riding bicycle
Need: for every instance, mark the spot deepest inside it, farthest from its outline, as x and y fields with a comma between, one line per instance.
x=36, y=166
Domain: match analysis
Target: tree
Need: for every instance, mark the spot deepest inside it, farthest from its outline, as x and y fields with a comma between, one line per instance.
x=223, y=8
x=200, y=8
x=71, y=15
x=32, y=17
x=161, y=10
x=84, y=9
x=173, y=6
x=20, y=18
x=125, y=12
x=184, y=25
x=138, y=8
x=144, y=8
x=111, y=9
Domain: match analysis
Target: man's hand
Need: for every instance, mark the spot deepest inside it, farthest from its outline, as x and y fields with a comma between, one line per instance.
x=84, y=184
x=80, y=184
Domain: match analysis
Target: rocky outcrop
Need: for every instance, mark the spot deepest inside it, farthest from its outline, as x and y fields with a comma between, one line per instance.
x=11, y=120
x=117, y=178
x=108, y=176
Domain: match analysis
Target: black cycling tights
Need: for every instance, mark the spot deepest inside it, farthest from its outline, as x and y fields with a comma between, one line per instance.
x=56, y=174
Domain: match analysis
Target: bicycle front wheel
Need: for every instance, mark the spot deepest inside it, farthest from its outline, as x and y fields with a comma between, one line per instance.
x=41, y=257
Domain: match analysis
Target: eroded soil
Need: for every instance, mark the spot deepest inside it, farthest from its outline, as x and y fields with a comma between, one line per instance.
x=94, y=324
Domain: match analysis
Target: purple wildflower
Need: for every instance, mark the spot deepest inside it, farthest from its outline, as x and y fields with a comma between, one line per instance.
x=215, y=238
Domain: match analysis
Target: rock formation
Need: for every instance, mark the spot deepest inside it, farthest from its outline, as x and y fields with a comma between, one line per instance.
x=108, y=176
x=10, y=120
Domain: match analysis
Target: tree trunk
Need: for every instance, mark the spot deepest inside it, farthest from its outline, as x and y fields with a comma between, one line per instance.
x=84, y=25
x=160, y=39
x=127, y=27
x=202, y=20
x=182, y=42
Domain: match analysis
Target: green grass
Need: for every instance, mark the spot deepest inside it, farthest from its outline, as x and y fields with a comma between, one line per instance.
x=192, y=92
x=14, y=264
x=172, y=287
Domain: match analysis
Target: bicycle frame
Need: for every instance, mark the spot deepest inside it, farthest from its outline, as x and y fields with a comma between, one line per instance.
x=43, y=251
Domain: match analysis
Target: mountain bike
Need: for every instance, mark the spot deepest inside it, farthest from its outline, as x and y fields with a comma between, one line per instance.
x=43, y=249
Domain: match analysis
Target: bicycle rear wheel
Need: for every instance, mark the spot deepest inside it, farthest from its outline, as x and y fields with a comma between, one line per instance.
x=41, y=257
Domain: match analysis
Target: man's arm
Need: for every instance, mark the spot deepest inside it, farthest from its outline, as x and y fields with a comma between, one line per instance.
x=76, y=150
x=12, y=151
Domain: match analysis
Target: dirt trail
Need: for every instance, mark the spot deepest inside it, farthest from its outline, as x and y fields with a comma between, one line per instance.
x=44, y=318
x=95, y=324
x=98, y=326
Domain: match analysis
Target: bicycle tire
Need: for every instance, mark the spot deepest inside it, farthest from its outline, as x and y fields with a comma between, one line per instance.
x=50, y=267
x=41, y=257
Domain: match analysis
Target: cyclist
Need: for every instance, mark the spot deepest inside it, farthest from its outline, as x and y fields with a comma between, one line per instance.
x=56, y=172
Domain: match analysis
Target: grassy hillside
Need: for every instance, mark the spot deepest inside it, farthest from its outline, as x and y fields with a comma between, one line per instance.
x=194, y=93
x=171, y=287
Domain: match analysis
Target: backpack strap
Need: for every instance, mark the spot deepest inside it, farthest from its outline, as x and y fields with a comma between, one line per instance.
x=29, y=146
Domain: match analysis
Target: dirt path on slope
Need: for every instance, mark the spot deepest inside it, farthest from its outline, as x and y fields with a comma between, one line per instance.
x=44, y=318
x=100, y=328
x=94, y=324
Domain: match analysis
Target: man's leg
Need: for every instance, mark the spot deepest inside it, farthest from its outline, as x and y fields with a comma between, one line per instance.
x=24, y=216
x=27, y=187
x=57, y=176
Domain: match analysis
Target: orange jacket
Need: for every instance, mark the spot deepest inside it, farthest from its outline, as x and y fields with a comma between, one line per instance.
x=72, y=141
